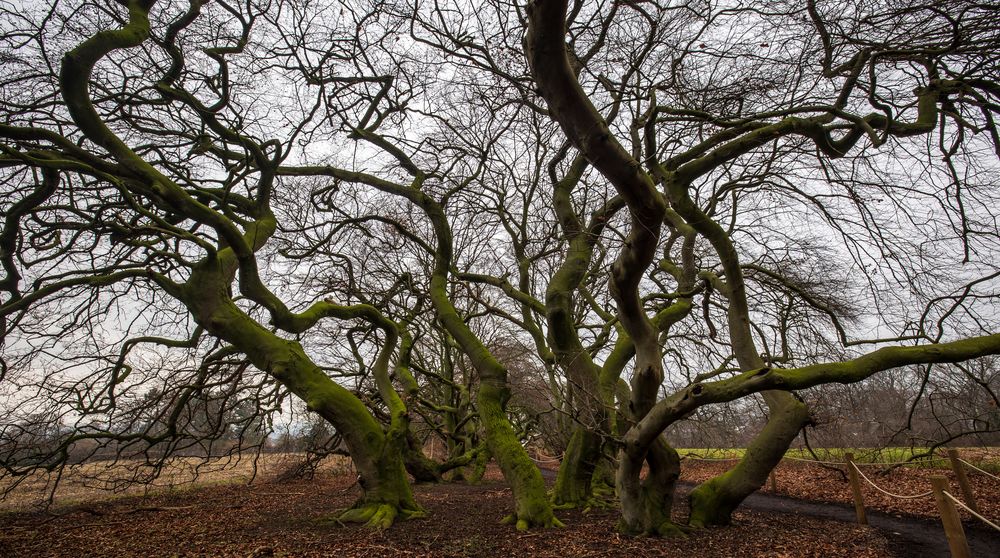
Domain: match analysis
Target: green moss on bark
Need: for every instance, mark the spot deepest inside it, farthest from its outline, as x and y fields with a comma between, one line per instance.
x=573, y=486
x=377, y=455
x=713, y=502
x=647, y=503
x=532, y=507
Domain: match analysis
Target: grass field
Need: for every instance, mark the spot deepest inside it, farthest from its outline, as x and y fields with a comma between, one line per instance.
x=985, y=458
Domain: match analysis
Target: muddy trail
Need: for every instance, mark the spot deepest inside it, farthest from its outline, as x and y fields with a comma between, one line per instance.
x=911, y=537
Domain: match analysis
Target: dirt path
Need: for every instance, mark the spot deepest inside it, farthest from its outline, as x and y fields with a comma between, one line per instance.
x=911, y=537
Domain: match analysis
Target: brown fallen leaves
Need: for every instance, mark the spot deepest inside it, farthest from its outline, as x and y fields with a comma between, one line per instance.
x=810, y=481
x=265, y=520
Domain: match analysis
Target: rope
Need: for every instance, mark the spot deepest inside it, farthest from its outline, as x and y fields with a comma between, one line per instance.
x=689, y=456
x=880, y=464
x=873, y=464
x=900, y=496
x=994, y=477
x=974, y=514
x=838, y=463
x=813, y=460
x=555, y=459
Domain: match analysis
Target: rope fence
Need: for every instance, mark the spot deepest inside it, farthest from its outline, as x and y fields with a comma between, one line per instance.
x=697, y=458
x=972, y=512
x=886, y=492
x=818, y=461
x=970, y=465
x=869, y=464
x=948, y=505
x=856, y=464
x=891, y=463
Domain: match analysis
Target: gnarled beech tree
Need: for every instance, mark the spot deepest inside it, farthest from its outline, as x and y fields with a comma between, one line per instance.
x=188, y=191
x=833, y=129
x=153, y=217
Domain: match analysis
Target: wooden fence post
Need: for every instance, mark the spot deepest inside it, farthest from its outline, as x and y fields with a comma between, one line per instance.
x=963, y=480
x=859, y=502
x=949, y=518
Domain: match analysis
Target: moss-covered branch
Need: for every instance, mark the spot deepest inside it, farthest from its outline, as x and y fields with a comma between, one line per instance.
x=683, y=402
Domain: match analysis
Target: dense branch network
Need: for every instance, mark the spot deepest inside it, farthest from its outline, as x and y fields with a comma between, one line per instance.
x=566, y=224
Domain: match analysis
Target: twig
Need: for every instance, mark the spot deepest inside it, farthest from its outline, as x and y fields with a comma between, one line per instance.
x=156, y=509
x=85, y=525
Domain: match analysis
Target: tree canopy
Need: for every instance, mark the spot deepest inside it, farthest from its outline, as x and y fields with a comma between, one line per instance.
x=577, y=224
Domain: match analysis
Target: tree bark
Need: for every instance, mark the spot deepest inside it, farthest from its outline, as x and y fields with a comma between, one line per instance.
x=713, y=502
x=650, y=500
x=206, y=294
x=591, y=399
x=532, y=507
x=545, y=47
x=377, y=455
x=573, y=486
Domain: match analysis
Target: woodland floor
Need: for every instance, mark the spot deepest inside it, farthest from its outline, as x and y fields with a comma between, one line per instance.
x=278, y=519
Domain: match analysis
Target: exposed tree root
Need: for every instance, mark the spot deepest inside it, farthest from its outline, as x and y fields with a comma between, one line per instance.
x=667, y=529
x=671, y=529
x=373, y=515
x=586, y=504
x=523, y=524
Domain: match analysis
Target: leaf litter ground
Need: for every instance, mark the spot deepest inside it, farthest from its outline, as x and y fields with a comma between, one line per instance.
x=278, y=519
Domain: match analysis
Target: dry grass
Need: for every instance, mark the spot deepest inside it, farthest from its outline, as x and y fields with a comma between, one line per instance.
x=99, y=481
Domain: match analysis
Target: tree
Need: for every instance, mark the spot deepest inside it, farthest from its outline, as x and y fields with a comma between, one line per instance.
x=414, y=216
x=166, y=192
x=738, y=130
